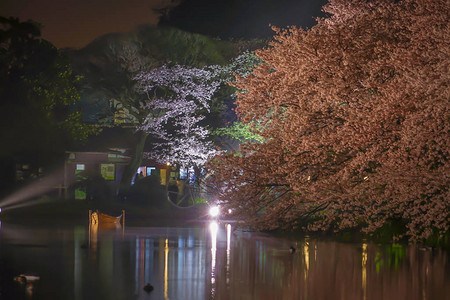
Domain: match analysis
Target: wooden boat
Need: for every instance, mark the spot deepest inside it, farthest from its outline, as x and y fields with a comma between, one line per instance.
x=101, y=218
x=104, y=218
x=99, y=221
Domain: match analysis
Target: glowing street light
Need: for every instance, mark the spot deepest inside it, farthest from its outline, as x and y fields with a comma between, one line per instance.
x=214, y=211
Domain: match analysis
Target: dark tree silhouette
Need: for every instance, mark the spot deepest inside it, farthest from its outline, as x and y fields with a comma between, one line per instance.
x=39, y=117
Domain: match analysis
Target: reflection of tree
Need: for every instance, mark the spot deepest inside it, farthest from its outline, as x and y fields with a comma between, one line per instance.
x=391, y=257
x=328, y=270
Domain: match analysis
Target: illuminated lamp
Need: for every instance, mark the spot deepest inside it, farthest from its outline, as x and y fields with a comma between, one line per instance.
x=214, y=211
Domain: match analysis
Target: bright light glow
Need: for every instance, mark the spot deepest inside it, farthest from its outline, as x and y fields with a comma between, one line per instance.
x=36, y=188
x=230, y=211
x=213, y=228
x=228, y=240
x=214, y=211
x=0, y=209
x=227, y=274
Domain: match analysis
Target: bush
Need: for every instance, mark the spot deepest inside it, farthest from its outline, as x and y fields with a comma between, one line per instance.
x=148, y=192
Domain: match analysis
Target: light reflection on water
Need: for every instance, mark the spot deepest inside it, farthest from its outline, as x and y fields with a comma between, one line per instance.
x=214, y=261
x=213, y=229
x=364, y=270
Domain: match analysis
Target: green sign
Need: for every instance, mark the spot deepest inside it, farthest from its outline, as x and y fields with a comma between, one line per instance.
x=108, y=171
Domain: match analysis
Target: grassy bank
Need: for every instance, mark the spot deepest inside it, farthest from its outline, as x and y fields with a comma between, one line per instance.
x=384, y=235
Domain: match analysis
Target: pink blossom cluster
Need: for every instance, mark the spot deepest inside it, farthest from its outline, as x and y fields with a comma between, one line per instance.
x=355, y=116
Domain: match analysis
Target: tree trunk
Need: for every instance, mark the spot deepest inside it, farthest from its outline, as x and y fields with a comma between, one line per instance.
x=197, y=174
x=134, y=164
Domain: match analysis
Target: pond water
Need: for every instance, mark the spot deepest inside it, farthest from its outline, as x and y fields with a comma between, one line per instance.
x=210, y=261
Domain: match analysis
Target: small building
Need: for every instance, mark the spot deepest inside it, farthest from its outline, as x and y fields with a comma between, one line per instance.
x=165, y=172
x=105, y=157
x=90, y=166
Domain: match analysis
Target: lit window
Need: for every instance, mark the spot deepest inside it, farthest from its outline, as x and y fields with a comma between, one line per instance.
x=80, y=167
x=183, y=173
x=150, y=170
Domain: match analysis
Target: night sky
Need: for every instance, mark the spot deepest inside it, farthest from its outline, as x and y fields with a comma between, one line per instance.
x=75, y=23
x=242, y=19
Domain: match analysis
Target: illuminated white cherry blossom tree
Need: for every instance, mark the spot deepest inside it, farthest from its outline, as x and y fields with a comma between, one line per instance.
x=178, y=99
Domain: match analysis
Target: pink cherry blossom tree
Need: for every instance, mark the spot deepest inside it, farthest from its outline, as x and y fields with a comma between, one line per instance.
x=355, y=117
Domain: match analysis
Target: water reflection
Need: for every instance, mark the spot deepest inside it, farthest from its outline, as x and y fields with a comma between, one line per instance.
x=214, y=261
x=166, y=269
x=364, y=270
x=213, y=228
x=227, y=271
x=306, y=268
